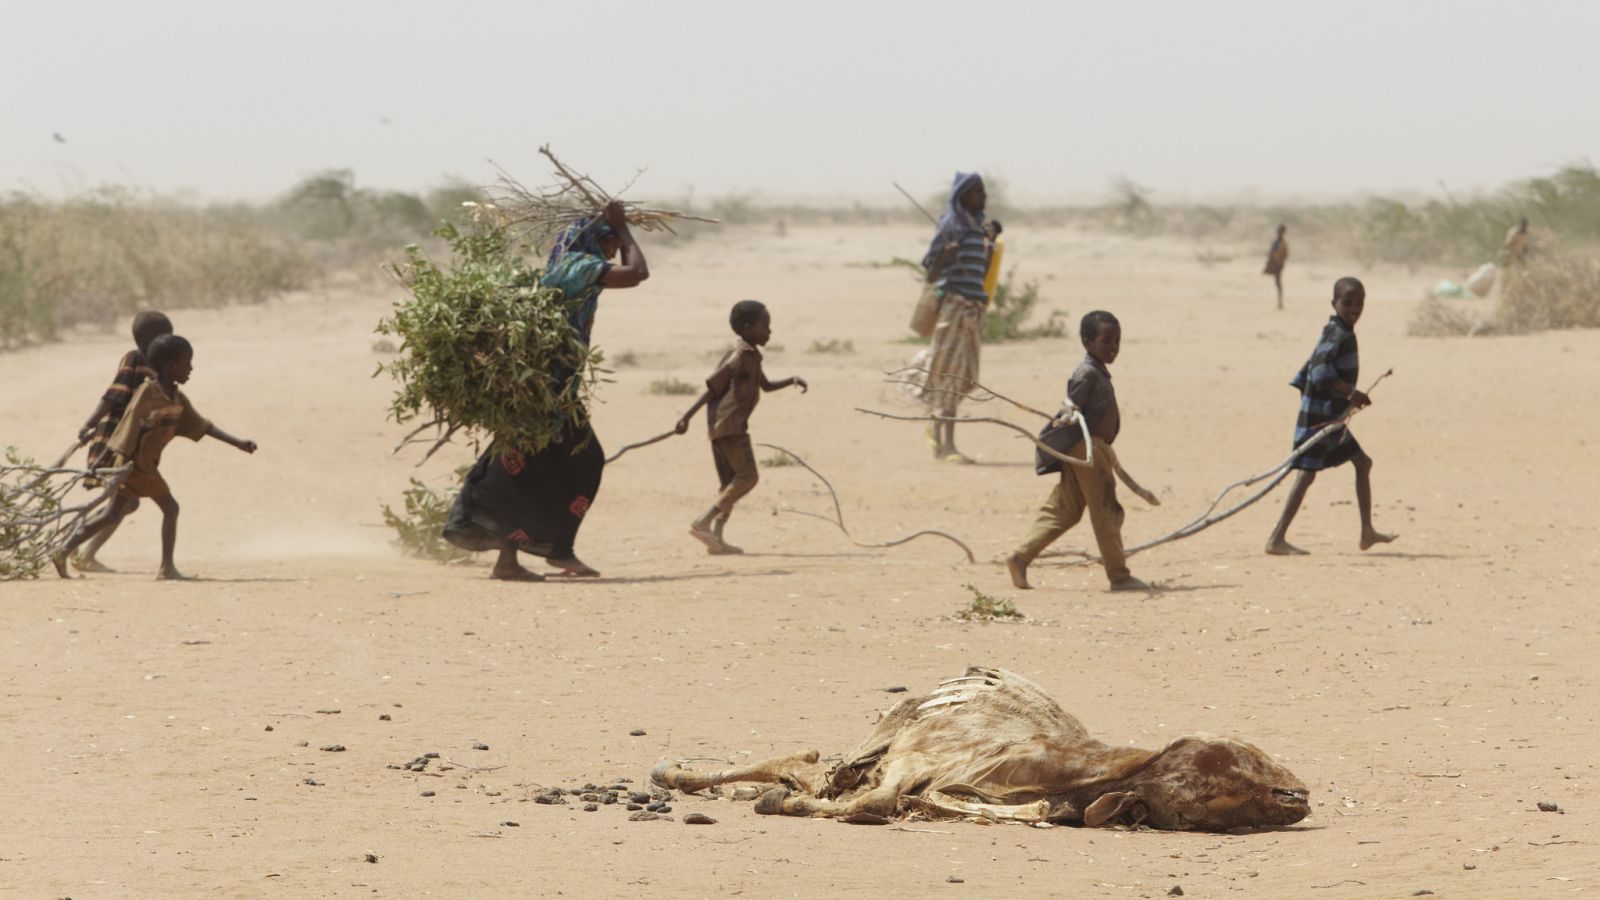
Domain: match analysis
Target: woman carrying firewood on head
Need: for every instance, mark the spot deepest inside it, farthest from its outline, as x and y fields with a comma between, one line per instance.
x=958, y=269
x=536, y=502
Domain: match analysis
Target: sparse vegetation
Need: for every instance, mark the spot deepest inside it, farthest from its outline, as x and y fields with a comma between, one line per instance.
x=833, y=346
x=988, y=608
x=672, y=387
x=1011, y=307
x=418, y=532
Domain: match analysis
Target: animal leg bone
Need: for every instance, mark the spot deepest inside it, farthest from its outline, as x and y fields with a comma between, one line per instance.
x=943, y=804
x=799, y=770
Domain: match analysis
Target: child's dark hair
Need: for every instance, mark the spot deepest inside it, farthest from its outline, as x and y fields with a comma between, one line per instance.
x=149, y=325
x=168, y=348
x=1089, y=328
x=745, y=313
x=1349, y=286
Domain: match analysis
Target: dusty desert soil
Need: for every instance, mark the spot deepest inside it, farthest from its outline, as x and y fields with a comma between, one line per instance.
x=1431, y=692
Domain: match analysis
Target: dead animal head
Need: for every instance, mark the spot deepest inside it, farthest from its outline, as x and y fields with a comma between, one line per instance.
x=1203, y=783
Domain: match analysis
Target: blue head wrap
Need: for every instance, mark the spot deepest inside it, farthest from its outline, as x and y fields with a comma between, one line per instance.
x=957, y=220
x=582, y=236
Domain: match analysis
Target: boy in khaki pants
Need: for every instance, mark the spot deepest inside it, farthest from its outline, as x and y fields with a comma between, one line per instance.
x=1092, y=490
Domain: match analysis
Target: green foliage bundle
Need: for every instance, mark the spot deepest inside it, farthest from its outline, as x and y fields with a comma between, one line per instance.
x=989, y=608
x=419, y=531
x=485, y=347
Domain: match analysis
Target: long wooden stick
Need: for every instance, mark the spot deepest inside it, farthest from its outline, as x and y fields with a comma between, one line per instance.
x=637, y=444
x=914, y=202
x=838, y=514
x=1086, y=463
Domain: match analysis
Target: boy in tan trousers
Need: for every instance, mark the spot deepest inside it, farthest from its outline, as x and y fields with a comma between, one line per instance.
x=1080, y=489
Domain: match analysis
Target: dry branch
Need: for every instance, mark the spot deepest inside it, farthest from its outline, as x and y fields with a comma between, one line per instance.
x=1086, y=463
x=637, y=444
x=550, y=209
x=35, y=517
x=838, y=514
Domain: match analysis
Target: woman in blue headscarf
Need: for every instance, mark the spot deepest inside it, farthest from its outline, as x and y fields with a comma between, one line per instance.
x=957, y=262
x=536, y=502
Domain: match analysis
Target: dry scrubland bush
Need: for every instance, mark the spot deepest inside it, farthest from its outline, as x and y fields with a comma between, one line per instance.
x=90, y=259
x=105, y=254
x=1551, y=291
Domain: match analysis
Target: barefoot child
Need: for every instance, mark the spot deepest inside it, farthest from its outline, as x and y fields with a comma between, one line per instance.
x=132, y=371
x=157, y=413
x=731, y=395
x=1080, y=489
x=1327, y=384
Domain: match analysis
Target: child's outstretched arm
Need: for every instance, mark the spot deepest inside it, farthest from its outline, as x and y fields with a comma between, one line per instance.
x=245, y=445
x=683, y=423
x=780, y=385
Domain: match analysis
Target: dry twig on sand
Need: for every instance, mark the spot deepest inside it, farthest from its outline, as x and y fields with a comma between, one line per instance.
x=838, y=514
x=548, y=210
x=35, y=516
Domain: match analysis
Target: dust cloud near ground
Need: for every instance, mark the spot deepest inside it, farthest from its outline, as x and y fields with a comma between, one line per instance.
x=172, y=739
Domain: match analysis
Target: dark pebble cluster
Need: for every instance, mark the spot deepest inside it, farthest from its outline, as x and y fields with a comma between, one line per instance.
x=645, y=805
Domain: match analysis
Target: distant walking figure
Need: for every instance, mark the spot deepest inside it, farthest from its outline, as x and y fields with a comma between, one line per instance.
x=1277, y=255
x=1514, y=249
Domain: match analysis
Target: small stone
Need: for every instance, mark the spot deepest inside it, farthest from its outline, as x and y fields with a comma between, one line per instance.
x=1176, y=891
x=510, y=824
x=1468, y=866
x=427, y=793
x=654, y=806
x=698, y=819
x=956, y=879
x=637, y=732
x=897, y=689
x=634, y=807
x=431, y=754
x=269, y=727
x=372, y=857
x=1547, y=806
x=305, y=743
x=479, y=745
x=550, y=799
x=332, y=748
x=663, y=809
x=385, y=717
x=639, y=797
x=608, y=799
x=590, y=807
x=327, y=712
x=645, y=816
x=589, y=787
x=624, y=781
x=590, y=797
x=1422, y=893
x=312, y=781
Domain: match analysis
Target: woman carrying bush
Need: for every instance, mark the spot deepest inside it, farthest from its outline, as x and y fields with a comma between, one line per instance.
x=535, y=503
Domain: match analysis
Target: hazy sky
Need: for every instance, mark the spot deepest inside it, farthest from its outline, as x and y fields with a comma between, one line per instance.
x=803, y=100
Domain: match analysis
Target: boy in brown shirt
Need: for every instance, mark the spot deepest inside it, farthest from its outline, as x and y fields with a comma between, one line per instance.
x=731, y=395
x=1080, y=490
x=157, y=413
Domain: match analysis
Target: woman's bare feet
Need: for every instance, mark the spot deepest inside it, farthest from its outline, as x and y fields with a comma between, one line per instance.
x=59, y=560
x=169, y=572
x=1019, y=572
x=573, y=567
x=723, y=548
x=1281, y=547
x=704, y=535
x=88, y=564
x=1130, y=584
x=513, y=572
x=1370, y=538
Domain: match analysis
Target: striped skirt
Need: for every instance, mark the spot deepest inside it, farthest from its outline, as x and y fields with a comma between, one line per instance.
x=952, y=356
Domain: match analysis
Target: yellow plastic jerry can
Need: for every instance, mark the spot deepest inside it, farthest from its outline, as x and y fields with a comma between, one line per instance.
x=991, y=278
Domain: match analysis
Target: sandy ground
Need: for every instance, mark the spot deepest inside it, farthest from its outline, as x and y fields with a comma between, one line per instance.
x=159, y=737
